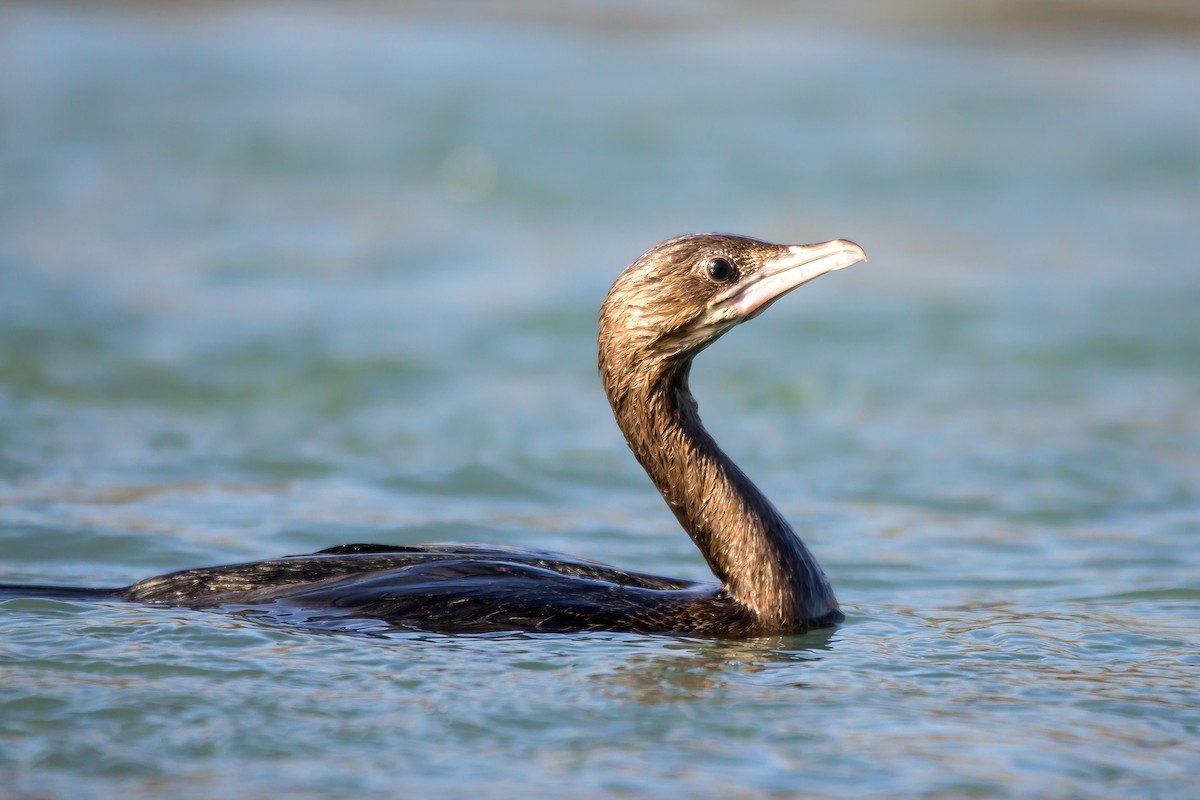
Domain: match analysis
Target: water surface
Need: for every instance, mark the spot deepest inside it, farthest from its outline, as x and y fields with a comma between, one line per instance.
x=274, y=281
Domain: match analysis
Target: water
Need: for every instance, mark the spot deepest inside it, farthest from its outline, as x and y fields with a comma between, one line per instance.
x=275, y=280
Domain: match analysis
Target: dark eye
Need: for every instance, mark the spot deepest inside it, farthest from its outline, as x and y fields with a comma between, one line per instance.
x=721, y=270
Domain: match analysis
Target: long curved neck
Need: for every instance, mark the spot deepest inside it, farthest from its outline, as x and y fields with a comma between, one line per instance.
x=748, y=544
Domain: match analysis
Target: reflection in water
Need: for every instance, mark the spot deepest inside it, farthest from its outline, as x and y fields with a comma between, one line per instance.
x=688, y=669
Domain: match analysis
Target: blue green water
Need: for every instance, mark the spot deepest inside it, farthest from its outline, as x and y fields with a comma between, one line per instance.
x=278, y=279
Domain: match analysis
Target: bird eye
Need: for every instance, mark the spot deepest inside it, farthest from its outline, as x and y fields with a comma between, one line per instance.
x=721, y=270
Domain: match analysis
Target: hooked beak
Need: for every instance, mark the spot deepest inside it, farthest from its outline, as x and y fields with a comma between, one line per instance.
x=794, y=266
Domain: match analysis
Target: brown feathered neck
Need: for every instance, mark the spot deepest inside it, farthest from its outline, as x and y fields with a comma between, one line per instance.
x=656, y=318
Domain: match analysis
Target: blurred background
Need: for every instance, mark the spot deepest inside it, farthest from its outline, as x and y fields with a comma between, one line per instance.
x=275, y=277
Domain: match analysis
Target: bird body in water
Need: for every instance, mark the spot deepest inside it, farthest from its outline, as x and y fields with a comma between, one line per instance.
x=670, y=304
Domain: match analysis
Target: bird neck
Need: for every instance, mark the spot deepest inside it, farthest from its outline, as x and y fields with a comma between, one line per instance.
x=748, y=544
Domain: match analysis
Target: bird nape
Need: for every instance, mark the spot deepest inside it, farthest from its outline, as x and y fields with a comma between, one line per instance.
x=666, y=307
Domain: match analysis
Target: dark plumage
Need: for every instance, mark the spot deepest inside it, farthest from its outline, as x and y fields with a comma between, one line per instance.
x=665, y=308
